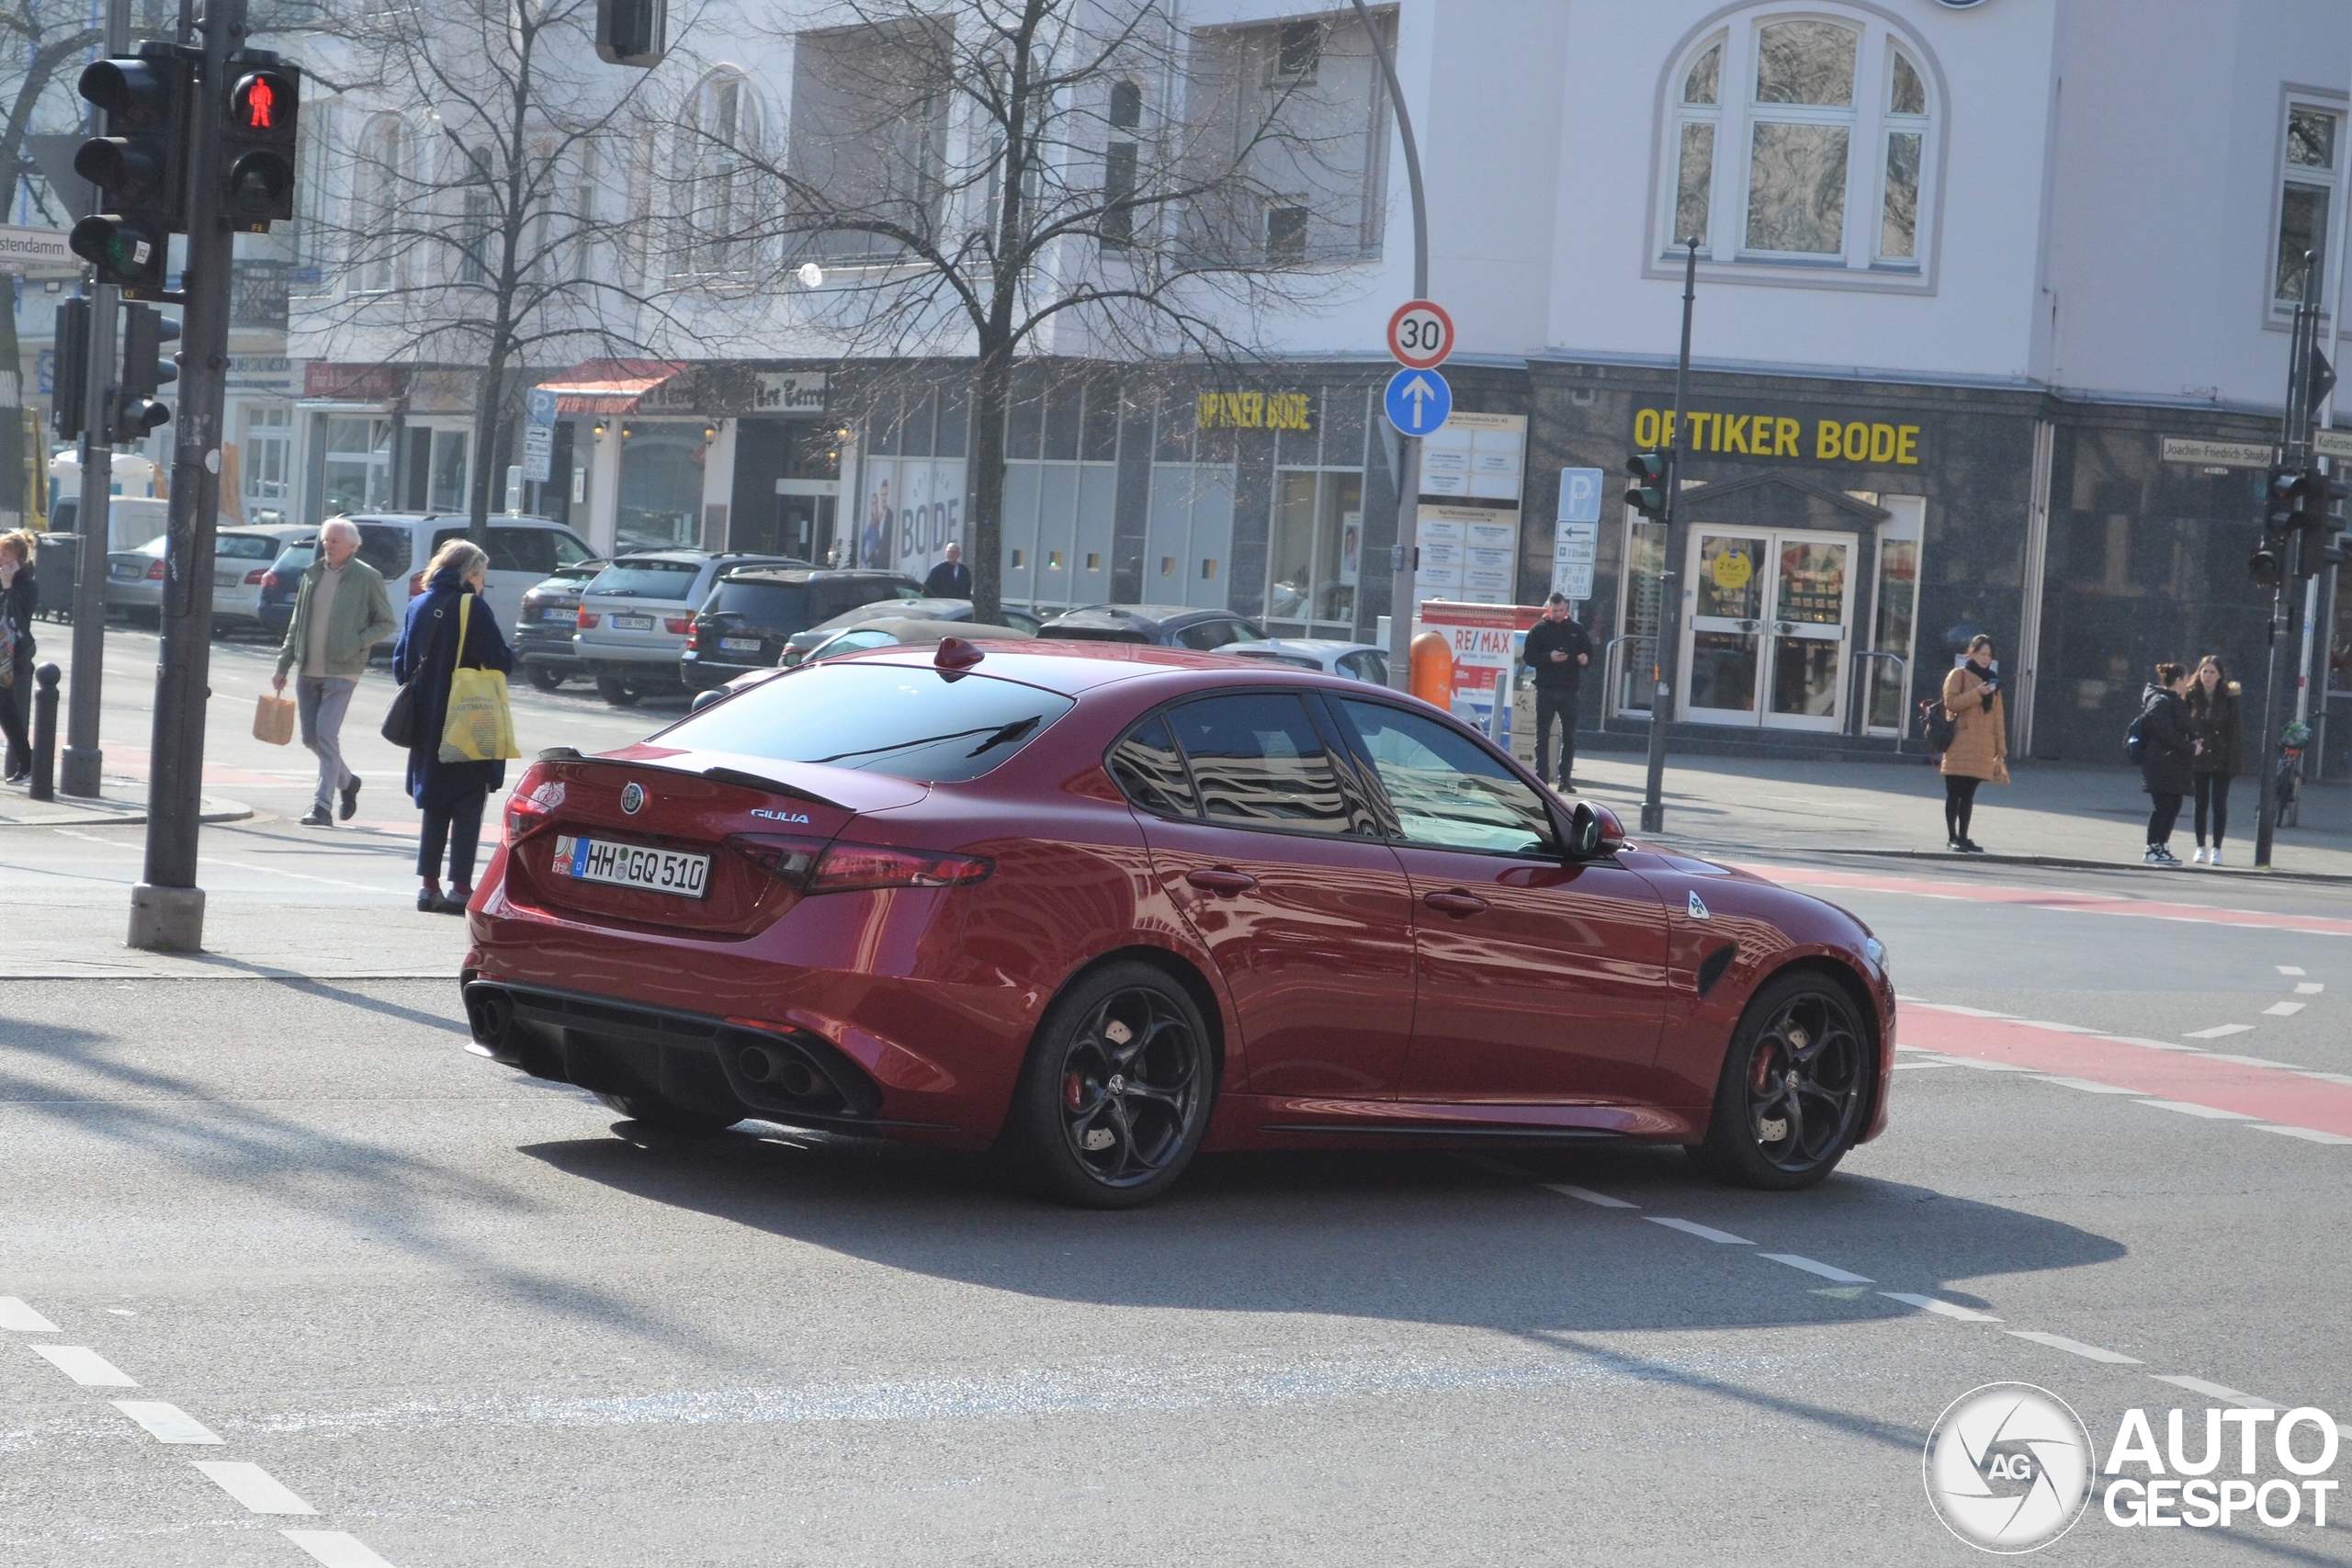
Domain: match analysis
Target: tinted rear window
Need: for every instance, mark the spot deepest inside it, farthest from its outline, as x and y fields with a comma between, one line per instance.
x=296, y=560
x=930, y=726
x=648, y=579
x=773, y=606
x=243, y=547
x=385, y=546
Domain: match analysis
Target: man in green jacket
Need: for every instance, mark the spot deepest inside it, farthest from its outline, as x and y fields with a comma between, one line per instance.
x=340, y=612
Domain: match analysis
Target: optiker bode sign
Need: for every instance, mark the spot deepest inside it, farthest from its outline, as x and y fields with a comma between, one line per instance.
x=2009, y=1468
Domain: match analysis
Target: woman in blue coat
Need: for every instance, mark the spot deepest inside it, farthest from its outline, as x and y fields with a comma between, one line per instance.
x=451, y=795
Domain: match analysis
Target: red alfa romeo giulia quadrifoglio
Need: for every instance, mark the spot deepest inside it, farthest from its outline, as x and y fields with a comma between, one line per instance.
x=1102, y=906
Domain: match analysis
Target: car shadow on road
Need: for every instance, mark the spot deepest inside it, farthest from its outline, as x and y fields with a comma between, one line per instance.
x=1419, y=1236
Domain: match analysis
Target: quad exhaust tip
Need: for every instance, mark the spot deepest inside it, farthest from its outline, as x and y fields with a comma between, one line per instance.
x=784, y=1070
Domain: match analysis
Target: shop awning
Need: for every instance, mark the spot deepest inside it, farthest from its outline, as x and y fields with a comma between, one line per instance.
x=609, y=386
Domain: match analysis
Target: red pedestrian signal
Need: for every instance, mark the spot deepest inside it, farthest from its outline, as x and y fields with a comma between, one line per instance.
x=256, y=102
x=257, y=143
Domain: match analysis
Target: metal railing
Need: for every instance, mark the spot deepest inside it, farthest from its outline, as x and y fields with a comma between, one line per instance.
x=1611, y=670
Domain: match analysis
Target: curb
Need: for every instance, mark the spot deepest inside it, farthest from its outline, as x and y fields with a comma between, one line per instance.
x=2062, y=863
x=221, y=811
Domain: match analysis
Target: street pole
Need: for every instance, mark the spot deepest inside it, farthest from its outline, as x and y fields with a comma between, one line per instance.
x=1663, y=670
x=1404, y=560
x=167, y=906
x=2293, y=439
x=79, y=768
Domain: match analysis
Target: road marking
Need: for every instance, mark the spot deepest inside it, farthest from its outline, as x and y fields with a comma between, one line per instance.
x=166, y=1423
x=16, y=1315
x=1843, y=1292
x=2289, y=969
x=259, y=1491
x=1915, y=1067
x=1826, y=1270
x=2284, y=1010
x=2309, y=987
x=2211, y=1112
x=2085, y=1085
x=1943, y=1308
x=2251, y=1061
x=2309, y=1134
x=2151, y=1044
x=86, y=1367
x=2216, y=1391
x=2219, y=1032
x=1966, y=1013
x=2077, y=1347
x=1600, y=1200
x=2061, y=1028
x=1983, y=1066
x=335, y=1549
x=1704, y=1233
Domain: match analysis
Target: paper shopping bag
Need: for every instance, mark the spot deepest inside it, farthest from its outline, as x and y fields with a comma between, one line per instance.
x=274, y=719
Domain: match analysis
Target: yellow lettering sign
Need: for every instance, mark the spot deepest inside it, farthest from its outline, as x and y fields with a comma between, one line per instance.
x=1781, y=435
x=1255, y=410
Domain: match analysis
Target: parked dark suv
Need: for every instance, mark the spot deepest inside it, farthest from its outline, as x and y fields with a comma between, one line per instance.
x=748, y=617
x=1160, y=625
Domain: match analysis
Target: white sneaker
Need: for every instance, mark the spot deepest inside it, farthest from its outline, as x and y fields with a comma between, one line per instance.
x=2215, y=858
x=2197, y=858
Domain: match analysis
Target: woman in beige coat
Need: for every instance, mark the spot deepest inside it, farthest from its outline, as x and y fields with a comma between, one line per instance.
x=1980, y=743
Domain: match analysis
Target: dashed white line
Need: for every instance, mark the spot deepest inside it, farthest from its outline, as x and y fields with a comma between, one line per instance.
x=1704, y=1233
x=2309, y=1134
x=2061, y=1028
x=259, y=1491
x=2283, y=1009
x=2077, y=1347
x=1827, y=1271
x=2211, y=1112
x=2250, y=1061
x=166, y=1423
x=1586, y=1194
x=335, y=1549
x=2087, y=1085
x=1942, y=1308
x=2289, y=969
x=2155, y=1044
x=2219, y=1032
x=85, y=1366
x=2309, y=987
x=16, y=1315
x=2216, y=1390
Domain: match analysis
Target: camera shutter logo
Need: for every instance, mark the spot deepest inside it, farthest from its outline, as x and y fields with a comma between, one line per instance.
x=632, y=797
x=2009, y=1468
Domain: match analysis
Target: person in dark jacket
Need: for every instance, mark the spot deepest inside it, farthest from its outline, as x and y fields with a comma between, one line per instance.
x=1558, y=650
x=2167, y=749
x=951, y=579
x=2216, y=722
x=449, y=794
x=20, y=597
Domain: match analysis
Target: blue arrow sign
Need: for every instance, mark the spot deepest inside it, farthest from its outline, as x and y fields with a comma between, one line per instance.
x=1417, y=401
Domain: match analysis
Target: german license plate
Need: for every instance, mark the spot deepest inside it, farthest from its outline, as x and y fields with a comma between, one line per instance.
x=633, y=622
x=739, y=644
x=127, y=573
x=633, y=865
x=559, y=613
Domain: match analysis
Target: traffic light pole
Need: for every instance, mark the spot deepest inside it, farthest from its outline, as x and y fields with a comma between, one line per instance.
x=167, y=906
x=1662, y=671
x=2292, y=450
x=79, y=768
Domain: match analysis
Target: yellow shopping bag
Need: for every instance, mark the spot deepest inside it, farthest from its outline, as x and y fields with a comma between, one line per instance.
x=480, y=728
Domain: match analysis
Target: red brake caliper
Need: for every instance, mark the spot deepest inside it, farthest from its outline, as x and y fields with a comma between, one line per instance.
x=1073, y=1091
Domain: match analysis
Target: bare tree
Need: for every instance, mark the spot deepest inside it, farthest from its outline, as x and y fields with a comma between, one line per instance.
x=1043, y=180
x=477, y=226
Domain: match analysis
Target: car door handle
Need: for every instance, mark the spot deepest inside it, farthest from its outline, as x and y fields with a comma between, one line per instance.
x=1457, y=903
x=1222, y=881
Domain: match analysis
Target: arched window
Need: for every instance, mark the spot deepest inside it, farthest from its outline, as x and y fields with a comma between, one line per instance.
x=723, y=144
x=378, y=183
x=1803, y=137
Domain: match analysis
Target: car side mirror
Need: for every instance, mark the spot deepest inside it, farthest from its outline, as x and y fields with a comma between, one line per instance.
x=1593, y=831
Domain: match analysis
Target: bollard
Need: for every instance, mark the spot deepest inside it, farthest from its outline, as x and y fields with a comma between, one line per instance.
x=1432, y=669
x=45, y=733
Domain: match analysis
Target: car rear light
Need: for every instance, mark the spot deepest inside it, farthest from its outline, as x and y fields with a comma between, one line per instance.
x=585, y=620
x=814, y=866
x=528, y=813
x=256, y=578
x=155, y=569
x=693, y=636
x=677, y=626
x=269, y=579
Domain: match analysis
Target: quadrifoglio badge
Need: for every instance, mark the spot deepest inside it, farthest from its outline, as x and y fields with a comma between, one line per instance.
x=2009, y=1468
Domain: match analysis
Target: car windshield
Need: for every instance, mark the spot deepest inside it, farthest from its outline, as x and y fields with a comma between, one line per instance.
x=647, y=578
x=930, y=726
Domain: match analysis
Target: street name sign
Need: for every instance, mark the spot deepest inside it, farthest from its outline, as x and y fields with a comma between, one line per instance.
x=1417, y=401
x=1420, y=334
x=2220, y=454
x=38, y=250
x=2332, y=442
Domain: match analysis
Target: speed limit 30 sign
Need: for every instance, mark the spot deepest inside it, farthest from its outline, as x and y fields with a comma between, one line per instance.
x=1420, y=334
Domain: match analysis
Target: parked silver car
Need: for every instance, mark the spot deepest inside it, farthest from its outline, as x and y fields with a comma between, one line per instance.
x=1333, y=656
x=634, y=617
x=241, y=559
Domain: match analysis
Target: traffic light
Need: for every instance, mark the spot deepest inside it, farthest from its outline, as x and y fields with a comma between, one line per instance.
x=632, y=32
x=2281, y=490
x=145, y=331
x=1646, y=495
x=138, y=164
x=258, y=134
x=68, y=377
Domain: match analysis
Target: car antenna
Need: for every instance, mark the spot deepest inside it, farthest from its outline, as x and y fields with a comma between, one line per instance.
x=955, y=653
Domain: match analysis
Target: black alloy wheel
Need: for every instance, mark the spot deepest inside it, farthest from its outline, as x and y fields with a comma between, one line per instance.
x=1115, y=1097
x=1793, y=1088
x=616, y=691
x=545, y=677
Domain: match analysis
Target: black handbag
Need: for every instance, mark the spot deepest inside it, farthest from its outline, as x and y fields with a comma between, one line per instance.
x=400, y=719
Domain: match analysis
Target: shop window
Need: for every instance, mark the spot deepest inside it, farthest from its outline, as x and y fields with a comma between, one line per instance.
x=660, y=487
x=1060, y=486
x=1800, y=139
x=357, y=465
x=2307, y=183
x=445, y=489
x=270, y=440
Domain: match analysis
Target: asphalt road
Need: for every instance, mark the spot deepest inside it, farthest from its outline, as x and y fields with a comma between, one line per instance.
x=470, y=1318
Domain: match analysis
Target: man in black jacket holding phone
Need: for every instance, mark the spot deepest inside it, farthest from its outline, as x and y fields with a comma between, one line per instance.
x=1558, y=650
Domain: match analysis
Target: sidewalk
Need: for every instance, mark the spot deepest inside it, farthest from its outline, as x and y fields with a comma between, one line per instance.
x=121, y=802
x=81, y=937
x=2052, y=814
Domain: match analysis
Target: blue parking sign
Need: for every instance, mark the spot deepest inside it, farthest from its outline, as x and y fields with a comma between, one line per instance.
x=1579, y=495
x=1417, y=401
